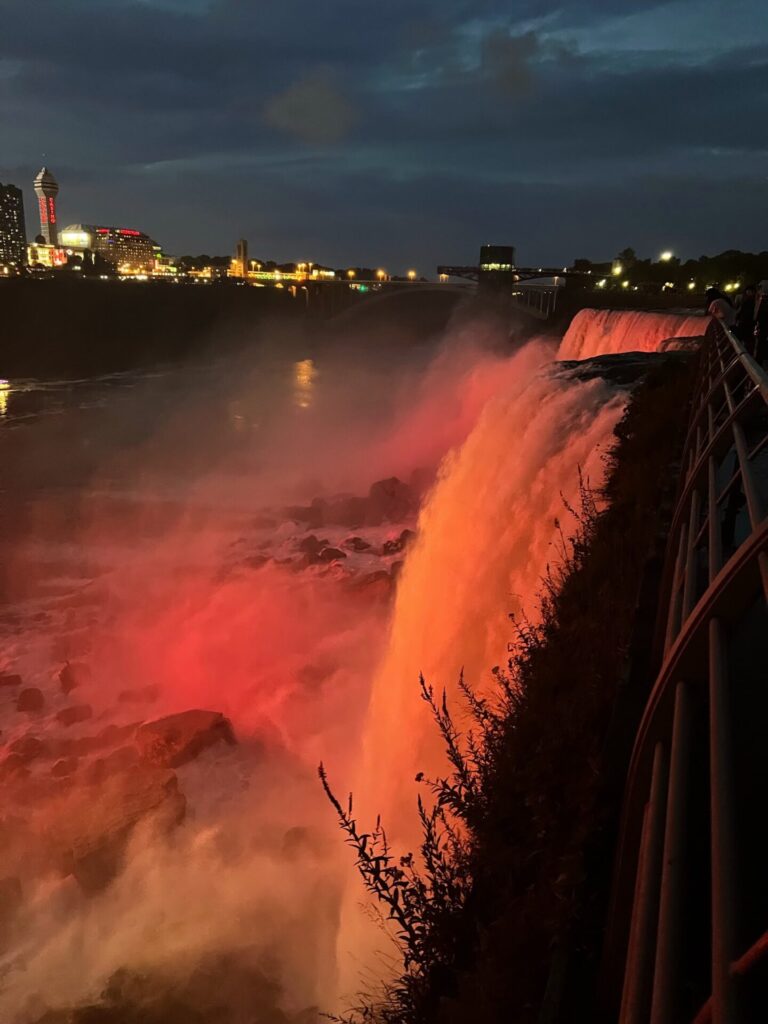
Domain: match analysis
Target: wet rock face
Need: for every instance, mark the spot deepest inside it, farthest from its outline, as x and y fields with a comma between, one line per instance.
x=390, y=500
x=90, y=827
x=176, y=739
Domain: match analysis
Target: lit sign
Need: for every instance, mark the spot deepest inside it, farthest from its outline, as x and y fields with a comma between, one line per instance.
x=77, y=239
x=128, y=231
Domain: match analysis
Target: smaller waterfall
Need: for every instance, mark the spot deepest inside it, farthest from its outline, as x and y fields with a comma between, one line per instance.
x=597, y=332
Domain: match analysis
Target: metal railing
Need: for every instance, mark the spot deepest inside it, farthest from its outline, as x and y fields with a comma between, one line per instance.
x=687, y=938
x=539, y=300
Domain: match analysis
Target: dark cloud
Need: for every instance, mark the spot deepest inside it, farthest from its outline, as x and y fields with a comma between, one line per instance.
x=392, y=133
x=314, y=110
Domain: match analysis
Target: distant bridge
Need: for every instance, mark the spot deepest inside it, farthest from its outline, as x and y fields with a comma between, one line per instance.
x=687, y=937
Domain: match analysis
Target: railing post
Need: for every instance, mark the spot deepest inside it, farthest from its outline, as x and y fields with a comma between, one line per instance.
x=722, y=835
x=635, y=998
x=669, y=936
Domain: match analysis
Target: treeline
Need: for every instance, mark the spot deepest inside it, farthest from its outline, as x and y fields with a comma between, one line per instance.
x=731, y=268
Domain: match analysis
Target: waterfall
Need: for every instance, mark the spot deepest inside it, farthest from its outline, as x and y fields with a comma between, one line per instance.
x=486, y=535
x=597, y=332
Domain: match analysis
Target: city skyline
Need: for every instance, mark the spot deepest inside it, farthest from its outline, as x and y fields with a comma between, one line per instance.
x=560, y=131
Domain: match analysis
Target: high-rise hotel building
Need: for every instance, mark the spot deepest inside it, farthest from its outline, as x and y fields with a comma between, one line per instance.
x=13, y=234
x=119, y=246
x=46, y=190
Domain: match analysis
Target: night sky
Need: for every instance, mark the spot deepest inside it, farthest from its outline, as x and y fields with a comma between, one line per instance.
x=396, y=133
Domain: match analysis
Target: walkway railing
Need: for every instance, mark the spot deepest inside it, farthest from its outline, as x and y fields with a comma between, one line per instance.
x=539, y=300
x=687, y=938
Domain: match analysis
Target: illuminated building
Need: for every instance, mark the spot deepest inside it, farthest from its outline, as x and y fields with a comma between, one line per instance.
x=239, y=265
x=13, y=235
x=497, y=266
x=49, y=256
x=124, y=248
x=46, y=190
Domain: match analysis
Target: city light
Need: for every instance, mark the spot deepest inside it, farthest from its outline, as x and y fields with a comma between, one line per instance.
x=381, y=274
x=691, y=285
x=602, y=283
x=350, y=273
x=617, y=270
x=625, y=284
x=411, y=275
x=5, y=390
x=666, y=256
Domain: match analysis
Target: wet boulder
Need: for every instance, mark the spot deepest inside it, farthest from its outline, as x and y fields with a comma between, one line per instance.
x=30, y=700
x=74, y=715
x=27, y=749
x=88, y=830
x=390, y=500
x=356, y=544
x=346, y=510
x=176, y=739
x=330, y=555
x=311, y=515
x=73, y=675
x=398, y=544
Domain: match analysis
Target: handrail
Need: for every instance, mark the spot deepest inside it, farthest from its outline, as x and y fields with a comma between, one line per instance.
x=718, y=566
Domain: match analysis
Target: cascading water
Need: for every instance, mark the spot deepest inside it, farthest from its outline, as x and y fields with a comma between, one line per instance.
x=486, y=535
x=596, y=332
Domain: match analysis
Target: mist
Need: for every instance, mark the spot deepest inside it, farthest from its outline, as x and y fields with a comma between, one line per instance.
x=287, y=537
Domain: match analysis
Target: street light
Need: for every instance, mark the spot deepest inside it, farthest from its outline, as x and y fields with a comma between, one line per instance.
x=381, y=274
x=350, y=273
x=666, y=256
x=411, y=275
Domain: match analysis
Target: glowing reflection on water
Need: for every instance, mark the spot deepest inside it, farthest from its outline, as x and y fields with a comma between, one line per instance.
x=304, y=374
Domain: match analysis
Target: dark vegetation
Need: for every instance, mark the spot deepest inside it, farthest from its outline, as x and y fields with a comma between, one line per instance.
x=500, y=919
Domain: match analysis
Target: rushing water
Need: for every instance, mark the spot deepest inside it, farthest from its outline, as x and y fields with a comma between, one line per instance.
x=148, y=538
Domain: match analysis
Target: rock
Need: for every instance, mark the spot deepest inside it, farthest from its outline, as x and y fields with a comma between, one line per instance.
x=356, y=544
x=30, y=700
x=65, y=767
x=311, y=546
x=73, y=674
x=27, y=749
x=176, y=739
x=9, y=679
x=394, y=547
x=75, y=714
x=88, y=829
x=110, y=736
x=390, y=500
x=312, y=514
x=331, y=555
x=117, y=761
x=346, y=510
x=139, y=695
